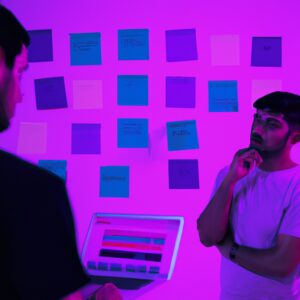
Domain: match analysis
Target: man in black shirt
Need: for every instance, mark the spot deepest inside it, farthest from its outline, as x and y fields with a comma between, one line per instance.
x=38, y=254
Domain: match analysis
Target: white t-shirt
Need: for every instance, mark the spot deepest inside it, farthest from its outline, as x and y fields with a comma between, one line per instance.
x=265, y=204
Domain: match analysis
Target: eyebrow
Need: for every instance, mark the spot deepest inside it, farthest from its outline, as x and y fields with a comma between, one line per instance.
x=269, y=119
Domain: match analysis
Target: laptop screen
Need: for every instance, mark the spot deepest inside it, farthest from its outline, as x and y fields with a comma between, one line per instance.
x=132, y=246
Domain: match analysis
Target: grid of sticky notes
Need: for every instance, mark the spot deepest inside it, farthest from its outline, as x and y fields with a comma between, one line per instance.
x=56, y=167
x=114, y=181
x=86, y=138
x=85, y=49
x=132, y=133
x=132, y=90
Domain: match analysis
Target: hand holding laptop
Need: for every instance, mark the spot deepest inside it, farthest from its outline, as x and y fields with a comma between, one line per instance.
x=108, y=292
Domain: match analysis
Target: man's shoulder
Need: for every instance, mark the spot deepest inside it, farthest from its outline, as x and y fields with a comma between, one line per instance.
x=16, y=167
x=223, y=171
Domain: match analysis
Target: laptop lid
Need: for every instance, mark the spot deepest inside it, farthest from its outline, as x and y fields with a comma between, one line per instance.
x=132, y=246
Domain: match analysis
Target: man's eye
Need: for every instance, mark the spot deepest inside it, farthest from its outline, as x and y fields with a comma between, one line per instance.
x=273, y=125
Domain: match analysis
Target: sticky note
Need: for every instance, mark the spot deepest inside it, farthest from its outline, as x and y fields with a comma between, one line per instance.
x=32, y=138
x=181, y=45
x=87, y=94
x=57, y=167
x=85, y=49
x=132, y=133
x=50, y=93
x=223, y=96
x=86, y=138
x=225, y=50
x=182, y=135
x=133, y=44
x=183, y=174
x=133, y=90
x=180, y=92
x=41, y=46
x=266, y=52
x=262, y=87
x=114, y=181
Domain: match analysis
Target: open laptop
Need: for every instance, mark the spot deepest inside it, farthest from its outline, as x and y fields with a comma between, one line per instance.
x=131, y=251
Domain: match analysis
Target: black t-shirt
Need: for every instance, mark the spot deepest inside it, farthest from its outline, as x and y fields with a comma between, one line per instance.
x=38, y=254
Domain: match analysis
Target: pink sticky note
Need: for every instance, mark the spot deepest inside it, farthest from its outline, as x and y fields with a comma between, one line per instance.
x=263, y=87
x=32, y=138
x=87, y=94
x=225, y=50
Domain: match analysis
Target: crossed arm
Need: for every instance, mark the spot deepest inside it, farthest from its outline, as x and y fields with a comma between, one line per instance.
x=279, y=261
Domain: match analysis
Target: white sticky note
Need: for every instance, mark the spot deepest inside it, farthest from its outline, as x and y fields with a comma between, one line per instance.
x=263, y=87
x=225, y=50
x=87, y=94
x=32, y=138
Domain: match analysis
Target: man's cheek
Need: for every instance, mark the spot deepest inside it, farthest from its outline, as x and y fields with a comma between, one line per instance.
x=17, y=88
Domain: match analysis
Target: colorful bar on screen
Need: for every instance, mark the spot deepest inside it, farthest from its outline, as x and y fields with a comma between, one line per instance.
x=131, y=255
x=133, y=239
x=153, y=235
x=132, y=246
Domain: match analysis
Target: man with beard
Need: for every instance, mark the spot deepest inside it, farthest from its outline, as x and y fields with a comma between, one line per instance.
x=38, y=253
x=253, y=217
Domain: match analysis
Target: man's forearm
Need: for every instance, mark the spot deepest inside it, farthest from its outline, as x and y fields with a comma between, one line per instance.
x=74, y=296
x=213, y=222
x=264, y=262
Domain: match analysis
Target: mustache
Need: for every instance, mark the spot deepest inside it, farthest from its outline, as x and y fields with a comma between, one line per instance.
x=256, y=137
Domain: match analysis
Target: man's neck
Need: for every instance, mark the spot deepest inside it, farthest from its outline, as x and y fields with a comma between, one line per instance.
x=277, y=164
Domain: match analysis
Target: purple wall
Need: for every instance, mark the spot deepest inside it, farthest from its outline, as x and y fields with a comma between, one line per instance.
x=196, y=274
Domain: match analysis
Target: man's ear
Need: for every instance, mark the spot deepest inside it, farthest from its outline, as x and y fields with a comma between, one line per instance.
x=2, y=56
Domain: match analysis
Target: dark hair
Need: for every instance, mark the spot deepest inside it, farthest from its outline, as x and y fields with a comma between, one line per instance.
x=282, y=102
x=12, y=36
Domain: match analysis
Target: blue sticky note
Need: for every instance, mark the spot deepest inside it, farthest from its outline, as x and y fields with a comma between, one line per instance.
x=180, y=92
x=223, y=96
x=50, y=93
x=85, y=49
x=266, y=52
x=133, y=44
x=181, y=45
x=183, y=174
x=133, y=90
x=41, y=46
x=86, y=138
x=182, y=135
x=132, y=133
x=114, y=181
x=57, y=167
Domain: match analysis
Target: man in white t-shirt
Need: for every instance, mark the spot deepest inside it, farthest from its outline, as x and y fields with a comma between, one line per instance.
x=253, y=216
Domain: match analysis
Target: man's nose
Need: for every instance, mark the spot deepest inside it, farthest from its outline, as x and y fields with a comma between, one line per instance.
x=258, y=129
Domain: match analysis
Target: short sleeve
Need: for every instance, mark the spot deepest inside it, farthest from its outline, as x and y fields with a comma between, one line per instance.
x=42, y=251
x=220, y=177
x=290, y=223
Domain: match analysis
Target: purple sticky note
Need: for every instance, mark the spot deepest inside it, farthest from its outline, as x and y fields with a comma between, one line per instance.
x=50, y=93
x=41, y=46
x=181, y=45
x=181, y=92
x=266, y=52
x=86, y=138
x=183, y=174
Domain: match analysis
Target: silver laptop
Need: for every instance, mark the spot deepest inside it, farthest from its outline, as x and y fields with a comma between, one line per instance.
x=131, y=251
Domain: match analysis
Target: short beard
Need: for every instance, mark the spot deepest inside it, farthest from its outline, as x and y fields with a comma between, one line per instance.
x=274, y=153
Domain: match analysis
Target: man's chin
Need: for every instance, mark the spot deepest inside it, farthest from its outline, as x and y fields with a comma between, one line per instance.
x=258, y=147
